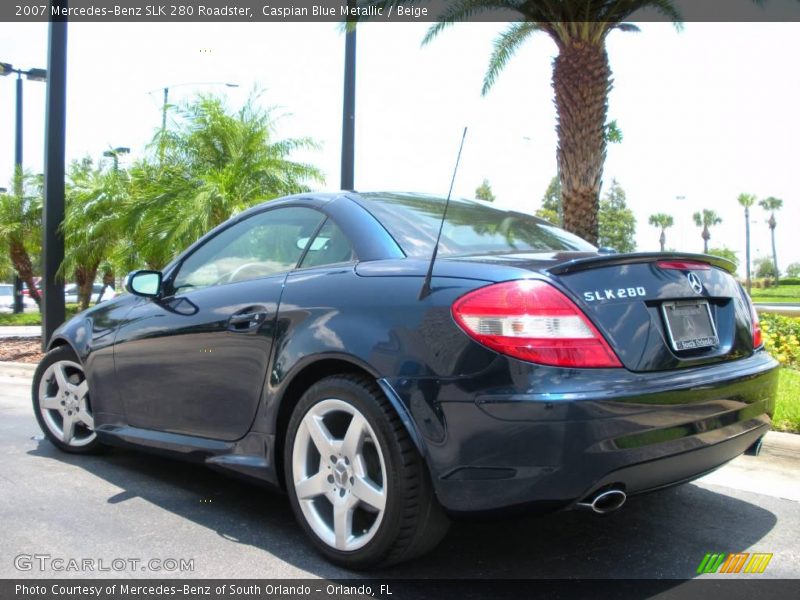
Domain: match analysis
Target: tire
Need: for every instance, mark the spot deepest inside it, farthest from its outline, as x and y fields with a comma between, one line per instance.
x=356, y=483
x=62, y=404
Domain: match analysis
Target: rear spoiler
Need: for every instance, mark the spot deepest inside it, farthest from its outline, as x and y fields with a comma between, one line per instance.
x=608, y=260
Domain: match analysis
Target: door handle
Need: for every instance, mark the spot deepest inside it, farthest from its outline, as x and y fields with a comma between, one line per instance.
x=246, y=322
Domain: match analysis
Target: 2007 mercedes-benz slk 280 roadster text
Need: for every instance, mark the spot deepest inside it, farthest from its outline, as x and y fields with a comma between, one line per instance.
x=300, y=344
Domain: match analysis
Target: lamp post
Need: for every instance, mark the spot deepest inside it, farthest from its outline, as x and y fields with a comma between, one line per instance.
x=349, y=111
x=55, y=136
x=32, y=75
x=114, y=155
x=167, y=88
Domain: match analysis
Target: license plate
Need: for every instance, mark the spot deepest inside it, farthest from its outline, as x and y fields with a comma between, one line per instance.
x=689, y=324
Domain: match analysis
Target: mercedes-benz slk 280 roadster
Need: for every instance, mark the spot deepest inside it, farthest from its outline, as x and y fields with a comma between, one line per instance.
x=299, y=344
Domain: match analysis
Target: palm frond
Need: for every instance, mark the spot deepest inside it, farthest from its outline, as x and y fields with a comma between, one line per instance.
x=505, y=46
x=465, y=10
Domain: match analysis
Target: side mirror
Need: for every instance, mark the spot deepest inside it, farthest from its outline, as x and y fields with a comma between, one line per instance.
x=144, y=283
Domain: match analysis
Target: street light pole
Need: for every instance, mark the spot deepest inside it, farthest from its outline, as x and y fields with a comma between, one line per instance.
x=18, y=140
x=164, y=110
x=33, y=75
x=53, y=310
x=19, y=306
x=114, y=153
x=166, y=89
x=349, y=112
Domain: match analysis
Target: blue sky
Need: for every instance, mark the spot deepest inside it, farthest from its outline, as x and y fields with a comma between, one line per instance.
x=707, y=113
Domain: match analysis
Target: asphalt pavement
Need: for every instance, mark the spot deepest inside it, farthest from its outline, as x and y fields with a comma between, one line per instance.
x=130, y=505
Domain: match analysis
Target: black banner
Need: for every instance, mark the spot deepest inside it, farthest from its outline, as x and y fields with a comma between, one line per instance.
x=154, y=11
x=733, y=588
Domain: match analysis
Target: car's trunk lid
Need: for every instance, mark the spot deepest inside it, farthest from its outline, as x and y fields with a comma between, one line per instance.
x=658, y=311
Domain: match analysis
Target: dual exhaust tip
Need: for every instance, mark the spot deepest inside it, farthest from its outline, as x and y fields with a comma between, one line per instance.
x=604, y=502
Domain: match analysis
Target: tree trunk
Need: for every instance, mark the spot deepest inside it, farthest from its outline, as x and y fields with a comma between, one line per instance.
x=662, y=239
x=706, y=236
x=581, y=80
x=108, y=280
x=772, y=225
x=747, y=244
x=84, y=277
x=24, y=268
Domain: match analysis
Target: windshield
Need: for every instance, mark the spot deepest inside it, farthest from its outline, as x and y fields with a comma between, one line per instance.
x=471, y=228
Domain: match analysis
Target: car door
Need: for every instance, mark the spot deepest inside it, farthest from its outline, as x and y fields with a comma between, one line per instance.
x=194, y=361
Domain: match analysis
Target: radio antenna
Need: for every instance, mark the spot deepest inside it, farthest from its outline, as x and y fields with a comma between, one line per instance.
x=426, y=285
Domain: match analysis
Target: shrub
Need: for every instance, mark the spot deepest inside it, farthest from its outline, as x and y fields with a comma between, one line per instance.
x=782, y=338
x=790, y=281
x=761, y=283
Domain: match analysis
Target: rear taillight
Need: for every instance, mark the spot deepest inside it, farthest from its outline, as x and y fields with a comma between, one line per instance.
x=755, y=325
x=533, y=321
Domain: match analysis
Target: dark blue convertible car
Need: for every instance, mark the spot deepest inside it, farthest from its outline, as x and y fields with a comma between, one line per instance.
x=298, y=344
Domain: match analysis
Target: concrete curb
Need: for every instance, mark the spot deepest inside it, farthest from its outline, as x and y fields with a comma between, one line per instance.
x=778, y=309
x=18, y=331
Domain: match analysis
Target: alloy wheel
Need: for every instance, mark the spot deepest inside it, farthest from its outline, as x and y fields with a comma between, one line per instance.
x=64, y=404
x=339, y=475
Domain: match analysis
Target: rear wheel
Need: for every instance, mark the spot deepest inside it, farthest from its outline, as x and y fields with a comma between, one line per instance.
x=61, y=402
x=356, y=482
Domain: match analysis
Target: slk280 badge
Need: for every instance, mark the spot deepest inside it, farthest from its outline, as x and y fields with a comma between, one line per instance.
x=631, y=292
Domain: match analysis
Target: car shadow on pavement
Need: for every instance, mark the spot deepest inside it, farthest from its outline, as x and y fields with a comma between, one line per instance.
x=659, y=535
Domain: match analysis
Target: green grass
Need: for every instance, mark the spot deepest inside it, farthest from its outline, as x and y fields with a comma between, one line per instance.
x=781, y=293
x=30, y=318
x=787, y=407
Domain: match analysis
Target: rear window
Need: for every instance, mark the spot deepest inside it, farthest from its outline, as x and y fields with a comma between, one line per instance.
x=471, y=227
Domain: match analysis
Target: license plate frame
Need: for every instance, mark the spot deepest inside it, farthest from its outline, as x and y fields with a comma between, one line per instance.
x=689, y=324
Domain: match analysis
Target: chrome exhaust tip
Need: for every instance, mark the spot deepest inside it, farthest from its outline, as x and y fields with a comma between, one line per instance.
x=604, y=502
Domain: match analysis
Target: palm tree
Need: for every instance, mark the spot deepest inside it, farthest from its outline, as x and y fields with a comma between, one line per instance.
x=94, y=198
x=581, y=80
x=213, y=164
x=772, y=204
x=20, y=226
x=664, y=221
x=747, y=200
x=705, y=219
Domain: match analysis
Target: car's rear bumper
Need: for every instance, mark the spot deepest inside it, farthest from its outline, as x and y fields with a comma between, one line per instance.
x=549, y=450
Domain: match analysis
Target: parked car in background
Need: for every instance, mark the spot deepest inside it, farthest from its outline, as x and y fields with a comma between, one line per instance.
x=71, y=293
x=37, y=281
x=7, y=300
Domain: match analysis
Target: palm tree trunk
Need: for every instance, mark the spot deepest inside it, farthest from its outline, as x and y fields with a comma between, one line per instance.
x=747, y=244
x=662, y=239
x=24, y=268
x=581, y=80
x=84, y=277
x=774, y=252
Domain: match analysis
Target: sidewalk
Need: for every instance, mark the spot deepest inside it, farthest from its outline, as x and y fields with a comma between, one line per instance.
x=20, y=331
x=787, y=310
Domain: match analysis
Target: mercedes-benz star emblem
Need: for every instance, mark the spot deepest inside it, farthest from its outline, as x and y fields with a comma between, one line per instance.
x=694, y=281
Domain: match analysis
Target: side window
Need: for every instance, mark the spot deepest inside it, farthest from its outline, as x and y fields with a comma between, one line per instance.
x=331, y=246
x=264, y=244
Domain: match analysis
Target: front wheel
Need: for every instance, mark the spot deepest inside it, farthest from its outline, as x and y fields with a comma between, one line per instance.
x=62, y=404
x=356, y=482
